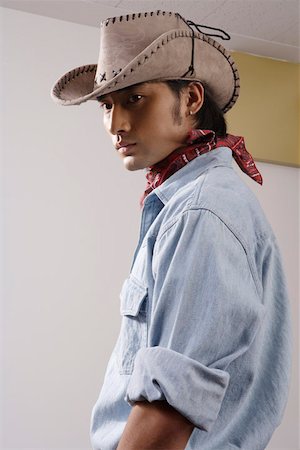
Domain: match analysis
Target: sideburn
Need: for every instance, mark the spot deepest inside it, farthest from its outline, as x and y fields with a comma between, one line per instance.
x=177, y=118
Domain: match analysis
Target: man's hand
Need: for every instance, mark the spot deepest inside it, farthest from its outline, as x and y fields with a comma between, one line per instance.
x=155, y=426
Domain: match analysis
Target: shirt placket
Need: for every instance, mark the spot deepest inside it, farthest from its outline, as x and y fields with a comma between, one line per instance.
x=150, y=211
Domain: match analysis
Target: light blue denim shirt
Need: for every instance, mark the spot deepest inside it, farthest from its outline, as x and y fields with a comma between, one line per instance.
x=205, y=314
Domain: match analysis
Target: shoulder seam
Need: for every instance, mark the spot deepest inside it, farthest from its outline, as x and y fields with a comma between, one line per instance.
x=232, y=230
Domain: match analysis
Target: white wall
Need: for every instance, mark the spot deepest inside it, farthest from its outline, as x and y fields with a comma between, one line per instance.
x=71, y=221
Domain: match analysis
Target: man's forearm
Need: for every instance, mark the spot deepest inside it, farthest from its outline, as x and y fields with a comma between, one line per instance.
x=155, y=426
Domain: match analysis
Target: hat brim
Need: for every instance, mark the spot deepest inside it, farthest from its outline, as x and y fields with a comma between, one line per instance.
x=214, y=67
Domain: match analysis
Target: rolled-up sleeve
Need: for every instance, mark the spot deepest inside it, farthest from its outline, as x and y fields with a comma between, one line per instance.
x=204, y=312
x=163, y=374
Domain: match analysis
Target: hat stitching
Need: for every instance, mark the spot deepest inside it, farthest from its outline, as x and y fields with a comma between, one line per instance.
x=112, y=20
x=236, y=84
x=115, y=72
x=103, y=76
x=70, y=76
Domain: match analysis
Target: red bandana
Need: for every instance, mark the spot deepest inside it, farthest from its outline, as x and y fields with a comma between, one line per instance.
x=200, y=142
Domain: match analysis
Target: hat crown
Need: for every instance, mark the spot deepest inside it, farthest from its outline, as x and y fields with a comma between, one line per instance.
x=125, y=37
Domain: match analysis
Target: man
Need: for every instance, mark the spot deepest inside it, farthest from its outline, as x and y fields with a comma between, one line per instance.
x=203, y=356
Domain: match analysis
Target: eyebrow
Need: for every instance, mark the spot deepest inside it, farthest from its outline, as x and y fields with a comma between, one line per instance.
x=101, y=97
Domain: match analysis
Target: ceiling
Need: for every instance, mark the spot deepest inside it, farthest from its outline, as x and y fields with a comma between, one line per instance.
x=262, y=27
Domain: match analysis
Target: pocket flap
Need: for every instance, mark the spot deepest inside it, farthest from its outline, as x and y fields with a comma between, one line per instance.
x=132, y=297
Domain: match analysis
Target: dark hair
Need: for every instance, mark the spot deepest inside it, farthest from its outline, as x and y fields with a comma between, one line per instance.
x=210, y=116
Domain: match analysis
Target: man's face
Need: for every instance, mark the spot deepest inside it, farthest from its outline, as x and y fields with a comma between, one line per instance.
x=146, y=123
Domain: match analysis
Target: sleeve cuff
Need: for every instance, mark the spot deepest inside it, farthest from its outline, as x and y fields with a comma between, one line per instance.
x=193, y=389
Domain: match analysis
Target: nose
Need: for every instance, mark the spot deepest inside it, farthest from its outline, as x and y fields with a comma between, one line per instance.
x=118, y=121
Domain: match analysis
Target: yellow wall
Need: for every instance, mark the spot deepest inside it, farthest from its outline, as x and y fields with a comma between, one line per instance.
x=267, y=112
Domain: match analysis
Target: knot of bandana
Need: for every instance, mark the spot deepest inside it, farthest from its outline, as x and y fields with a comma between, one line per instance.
x=198, y=143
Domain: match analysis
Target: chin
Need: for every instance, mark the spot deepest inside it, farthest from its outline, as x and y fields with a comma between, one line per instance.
x=131, y=168
x=132, y=165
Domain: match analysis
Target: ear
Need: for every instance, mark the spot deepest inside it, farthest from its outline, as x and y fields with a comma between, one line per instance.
x=195, y=97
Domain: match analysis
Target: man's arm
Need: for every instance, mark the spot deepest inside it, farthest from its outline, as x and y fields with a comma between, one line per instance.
x=155, y=426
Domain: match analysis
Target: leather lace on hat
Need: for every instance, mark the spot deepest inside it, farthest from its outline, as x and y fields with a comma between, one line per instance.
x=156, y=45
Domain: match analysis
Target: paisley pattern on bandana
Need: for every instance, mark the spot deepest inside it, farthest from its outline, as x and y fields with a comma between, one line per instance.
x=198, y=143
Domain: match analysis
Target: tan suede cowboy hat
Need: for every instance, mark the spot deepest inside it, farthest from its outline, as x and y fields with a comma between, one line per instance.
x=155, y=45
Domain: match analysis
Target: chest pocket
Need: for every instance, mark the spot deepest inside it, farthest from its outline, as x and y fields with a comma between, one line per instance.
x=133, y=333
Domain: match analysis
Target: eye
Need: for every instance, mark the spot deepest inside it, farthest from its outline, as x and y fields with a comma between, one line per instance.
x=134, y=98
x=106, y=106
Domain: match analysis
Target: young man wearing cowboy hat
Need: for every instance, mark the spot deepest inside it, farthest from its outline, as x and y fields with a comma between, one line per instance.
x=203, y=356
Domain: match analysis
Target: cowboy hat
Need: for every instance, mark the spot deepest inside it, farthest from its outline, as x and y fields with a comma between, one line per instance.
x=156, y=45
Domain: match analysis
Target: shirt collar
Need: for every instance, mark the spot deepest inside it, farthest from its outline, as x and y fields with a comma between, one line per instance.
x=221, y=156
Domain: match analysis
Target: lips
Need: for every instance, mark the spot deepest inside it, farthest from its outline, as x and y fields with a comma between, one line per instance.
x=122, y=144
x=124, y=148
